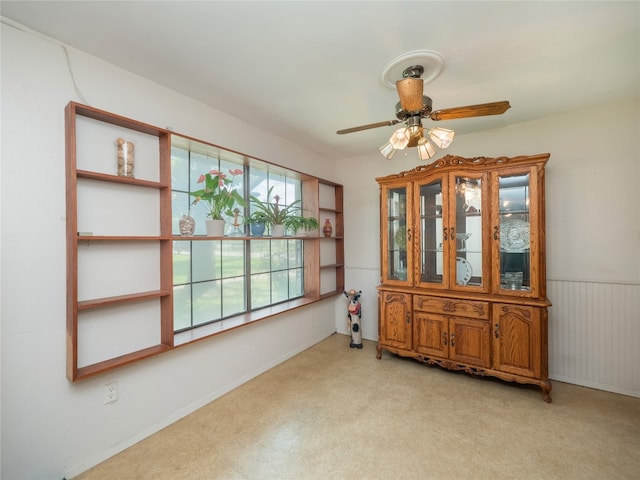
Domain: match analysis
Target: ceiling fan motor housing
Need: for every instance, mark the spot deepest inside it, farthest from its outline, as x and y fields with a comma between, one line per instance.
x=402, y=114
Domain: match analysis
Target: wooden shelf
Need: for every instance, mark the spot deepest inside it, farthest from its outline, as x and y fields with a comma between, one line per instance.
x=96, y=368
x=105, y=177
x=132, y=297
x=101, y=128
x=118, y=238
x=333, y=265
x=178, y=238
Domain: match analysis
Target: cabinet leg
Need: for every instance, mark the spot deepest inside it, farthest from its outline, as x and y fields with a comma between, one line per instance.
x=378, y=351
x=546, y=392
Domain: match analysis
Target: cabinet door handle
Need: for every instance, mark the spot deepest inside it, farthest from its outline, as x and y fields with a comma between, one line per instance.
x=444, y=338
x=408, y=318
x=453, y=339
x=408, y=235
x=497, y=330
x=452, y=233
x=444, y=234
x=496, y=232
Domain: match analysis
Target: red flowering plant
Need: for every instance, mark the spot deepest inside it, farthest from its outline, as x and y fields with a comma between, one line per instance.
x=218, y=193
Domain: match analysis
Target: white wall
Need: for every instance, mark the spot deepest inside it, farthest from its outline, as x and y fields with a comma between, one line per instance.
x=50, y=427
x=593, y=234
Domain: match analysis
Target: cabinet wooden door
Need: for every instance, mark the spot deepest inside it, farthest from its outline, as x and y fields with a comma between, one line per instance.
x=517, y=232
x=467, y=232
x=463, y=340
x=395, y=320
x=397, y=234
x=470, y=341
x=431, y=334
x=431, y=248
x=517, y=339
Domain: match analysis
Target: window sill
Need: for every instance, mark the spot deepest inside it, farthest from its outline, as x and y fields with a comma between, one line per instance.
x=216, y=328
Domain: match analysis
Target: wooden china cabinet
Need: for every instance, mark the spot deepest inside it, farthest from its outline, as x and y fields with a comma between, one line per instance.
x=463, y=280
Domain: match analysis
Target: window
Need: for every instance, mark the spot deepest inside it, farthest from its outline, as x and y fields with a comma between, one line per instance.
x=214, y=279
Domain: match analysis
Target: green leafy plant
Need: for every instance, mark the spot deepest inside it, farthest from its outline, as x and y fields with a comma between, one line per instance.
x=256, y=217
x=287, y=215
x=296, y=223
x=218, y=195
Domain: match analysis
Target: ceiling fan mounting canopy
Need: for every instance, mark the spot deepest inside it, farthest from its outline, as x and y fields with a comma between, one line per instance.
x=414, y=71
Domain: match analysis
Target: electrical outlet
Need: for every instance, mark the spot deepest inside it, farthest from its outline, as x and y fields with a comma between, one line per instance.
x=111, y=393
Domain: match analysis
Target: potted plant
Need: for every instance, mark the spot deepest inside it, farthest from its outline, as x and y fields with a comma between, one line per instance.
x=257, y=222
x=296, y=223
x=282, y=217
x=219, y=197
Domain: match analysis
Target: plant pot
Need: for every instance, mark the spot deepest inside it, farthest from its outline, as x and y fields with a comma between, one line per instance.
x=277, y=230
x=215, y=228
x=257, y=229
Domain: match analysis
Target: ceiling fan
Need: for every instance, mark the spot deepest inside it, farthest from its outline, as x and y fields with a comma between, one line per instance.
x=413, y=107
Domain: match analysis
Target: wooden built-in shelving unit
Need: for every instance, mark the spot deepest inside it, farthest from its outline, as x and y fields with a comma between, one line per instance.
x=120, y=246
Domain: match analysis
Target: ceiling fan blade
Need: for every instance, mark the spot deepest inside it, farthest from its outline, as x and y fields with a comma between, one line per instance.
x=410, y=92
x=495, y=108
x=367, y=127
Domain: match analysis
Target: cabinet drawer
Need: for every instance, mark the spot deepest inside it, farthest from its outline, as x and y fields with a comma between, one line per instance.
x=451, y=306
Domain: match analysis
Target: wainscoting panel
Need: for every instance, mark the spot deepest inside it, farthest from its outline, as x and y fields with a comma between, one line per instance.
x=594, y=335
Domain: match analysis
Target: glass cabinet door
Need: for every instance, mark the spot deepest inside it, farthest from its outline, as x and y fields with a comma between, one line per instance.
x=398, y=235
x=466, y=230
x=514, y=193
x=432, y=245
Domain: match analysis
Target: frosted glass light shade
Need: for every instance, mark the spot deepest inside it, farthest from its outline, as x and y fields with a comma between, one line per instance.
x=387, y=151
x=425, y=149
x=441, y=137
x=400, y=138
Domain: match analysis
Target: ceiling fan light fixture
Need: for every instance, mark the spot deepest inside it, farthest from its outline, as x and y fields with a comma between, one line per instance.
x=441, y=136
x=400, y=138
x=425, y=149
x=388, y=151
x=414, y=125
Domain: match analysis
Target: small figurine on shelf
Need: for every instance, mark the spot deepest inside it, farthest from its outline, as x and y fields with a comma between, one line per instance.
x=327, y=229
x=236, y=226
x=354, y=314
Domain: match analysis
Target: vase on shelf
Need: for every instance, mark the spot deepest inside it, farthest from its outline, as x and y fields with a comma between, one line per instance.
x=327, y=230
x=215, y=228
x=125, y=157
x=187, y=225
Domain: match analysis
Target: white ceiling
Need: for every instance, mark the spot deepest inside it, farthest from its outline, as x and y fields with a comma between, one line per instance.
x=305, y=69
